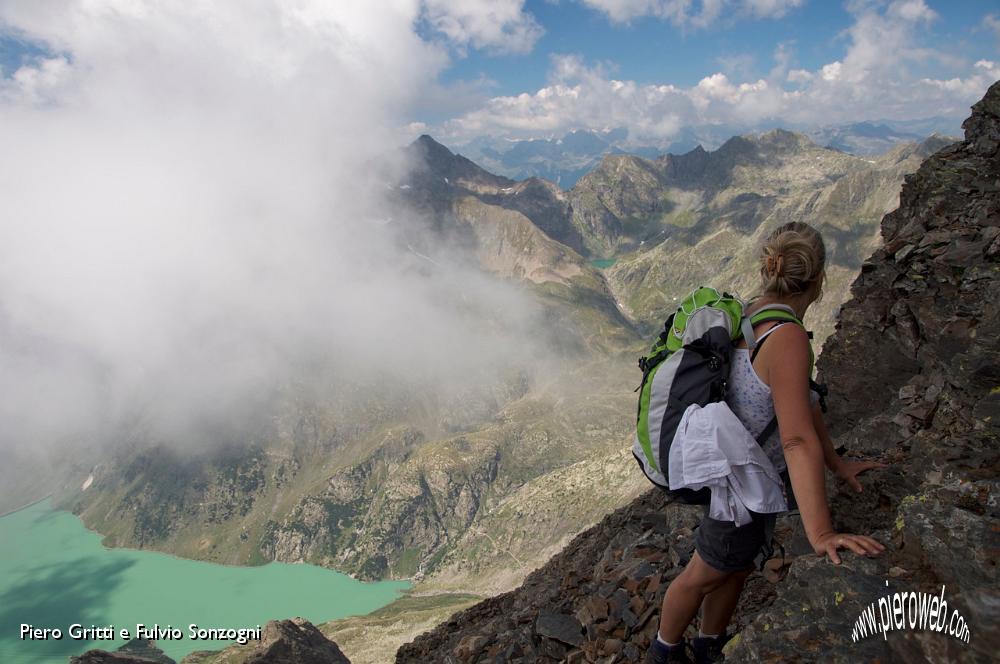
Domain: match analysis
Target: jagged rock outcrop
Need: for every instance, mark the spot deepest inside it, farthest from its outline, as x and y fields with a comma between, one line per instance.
x=295, y=641
x=136, y=651
x=914, y=369
x=105, y=657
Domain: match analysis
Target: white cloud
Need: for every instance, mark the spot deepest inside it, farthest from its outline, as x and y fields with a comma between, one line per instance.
x=501, y=26
x=186, y=206
x=911, y=10
x=621, y=11
x=690, y=13
x=736, y=65
x=831, y=72
x=799, y=76
x=41, y=82
x=579, y=96
x=770, y=8
x=880, y=75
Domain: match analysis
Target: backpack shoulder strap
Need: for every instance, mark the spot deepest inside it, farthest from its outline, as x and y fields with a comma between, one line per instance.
x=762, y=339
x=772, y=312
x=779, y=313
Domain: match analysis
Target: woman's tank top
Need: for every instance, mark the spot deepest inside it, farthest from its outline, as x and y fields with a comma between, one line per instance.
x=750, y=399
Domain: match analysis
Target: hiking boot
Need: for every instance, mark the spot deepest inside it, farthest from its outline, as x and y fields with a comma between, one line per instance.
x=660, y=653
x=708, y=649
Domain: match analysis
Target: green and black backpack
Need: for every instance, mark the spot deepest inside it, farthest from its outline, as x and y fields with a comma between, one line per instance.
x=689, y=364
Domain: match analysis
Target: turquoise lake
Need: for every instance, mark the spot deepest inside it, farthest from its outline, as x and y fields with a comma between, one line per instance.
x=54, y=572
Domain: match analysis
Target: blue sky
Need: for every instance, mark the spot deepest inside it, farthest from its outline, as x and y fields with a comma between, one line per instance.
x=15, y=52
x=652, y=50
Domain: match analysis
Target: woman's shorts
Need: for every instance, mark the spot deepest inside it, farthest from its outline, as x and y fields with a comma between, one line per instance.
x=731, y=548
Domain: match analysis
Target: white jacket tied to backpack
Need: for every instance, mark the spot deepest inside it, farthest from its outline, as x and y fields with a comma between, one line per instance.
x=713, y=449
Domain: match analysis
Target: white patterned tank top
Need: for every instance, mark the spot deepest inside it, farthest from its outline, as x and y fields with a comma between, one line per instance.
x=750, y=399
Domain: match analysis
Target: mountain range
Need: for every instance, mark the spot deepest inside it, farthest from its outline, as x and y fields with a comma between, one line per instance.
x=565, y=159
x=467, y=493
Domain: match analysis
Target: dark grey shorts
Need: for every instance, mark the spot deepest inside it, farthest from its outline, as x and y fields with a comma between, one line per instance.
x=731, y=548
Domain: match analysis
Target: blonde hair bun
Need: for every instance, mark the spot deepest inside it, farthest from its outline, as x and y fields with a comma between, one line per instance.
x=792, y=260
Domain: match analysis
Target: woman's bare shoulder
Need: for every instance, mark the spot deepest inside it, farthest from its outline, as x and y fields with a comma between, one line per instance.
x=789, y=347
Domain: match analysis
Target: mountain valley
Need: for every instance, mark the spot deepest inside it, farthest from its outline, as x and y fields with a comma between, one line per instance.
x=468, y=489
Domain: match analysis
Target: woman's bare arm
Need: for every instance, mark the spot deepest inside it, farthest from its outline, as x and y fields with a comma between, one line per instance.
x=787, y=373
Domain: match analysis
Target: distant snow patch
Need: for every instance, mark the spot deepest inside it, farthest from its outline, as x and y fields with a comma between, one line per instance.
x=87, y=483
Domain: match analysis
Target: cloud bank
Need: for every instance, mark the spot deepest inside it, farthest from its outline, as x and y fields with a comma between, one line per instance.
x=878, y=77
x=188, y=219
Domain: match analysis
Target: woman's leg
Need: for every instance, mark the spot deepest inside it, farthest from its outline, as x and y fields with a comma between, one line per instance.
x=719, y=605
x=685, y=594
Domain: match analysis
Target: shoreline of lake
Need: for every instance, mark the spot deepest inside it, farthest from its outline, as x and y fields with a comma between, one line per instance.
x=55, y=572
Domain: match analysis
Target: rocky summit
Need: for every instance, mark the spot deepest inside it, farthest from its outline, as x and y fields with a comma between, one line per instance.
x=914, y=372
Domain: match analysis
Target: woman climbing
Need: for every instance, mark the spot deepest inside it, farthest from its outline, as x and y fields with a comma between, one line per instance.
x=774, y=383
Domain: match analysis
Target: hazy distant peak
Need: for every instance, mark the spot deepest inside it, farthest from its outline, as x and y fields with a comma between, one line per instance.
x=737, y=147
x=449, y=166
x=427, y=142
x=784, y=139
x=433, y=153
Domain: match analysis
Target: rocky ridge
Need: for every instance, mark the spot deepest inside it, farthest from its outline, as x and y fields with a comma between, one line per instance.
x=136, y=651
x=564, y=160
x=658, y=227
x=914, y=370
x=295, y=641
x=721, y=205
